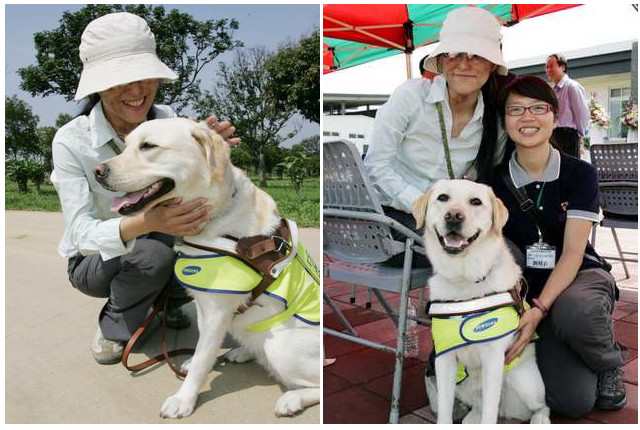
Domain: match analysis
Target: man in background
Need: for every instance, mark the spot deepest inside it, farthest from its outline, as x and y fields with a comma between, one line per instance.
x=573, y=117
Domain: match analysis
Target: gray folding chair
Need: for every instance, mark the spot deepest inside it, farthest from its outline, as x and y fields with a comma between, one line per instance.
x=357, y=238
x=617, y=167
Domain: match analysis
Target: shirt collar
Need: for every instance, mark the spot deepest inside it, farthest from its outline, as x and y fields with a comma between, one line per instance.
x=521, y=178
x=101, y=130
x=438, y=93
x=562, y=81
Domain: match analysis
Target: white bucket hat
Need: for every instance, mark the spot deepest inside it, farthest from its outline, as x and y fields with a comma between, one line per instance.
x=469, y=29
x=117, y=49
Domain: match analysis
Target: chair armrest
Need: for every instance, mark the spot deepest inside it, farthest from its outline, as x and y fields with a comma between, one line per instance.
x=377, y=217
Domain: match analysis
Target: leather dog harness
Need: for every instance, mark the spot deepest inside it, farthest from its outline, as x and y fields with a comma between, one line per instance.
x=278, y=266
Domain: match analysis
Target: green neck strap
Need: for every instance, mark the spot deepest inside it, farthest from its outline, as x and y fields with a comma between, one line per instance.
x=445, y=142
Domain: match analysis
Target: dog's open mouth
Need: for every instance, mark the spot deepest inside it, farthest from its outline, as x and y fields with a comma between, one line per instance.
x=135, y=201
x=454, y=243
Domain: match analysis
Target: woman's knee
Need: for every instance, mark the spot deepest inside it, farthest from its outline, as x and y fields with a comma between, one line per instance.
x=152, y=258
x=573, y=404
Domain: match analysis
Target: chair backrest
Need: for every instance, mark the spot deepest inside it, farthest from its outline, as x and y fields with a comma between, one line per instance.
x=615, y=161
x=617, y=167
x=348, y=200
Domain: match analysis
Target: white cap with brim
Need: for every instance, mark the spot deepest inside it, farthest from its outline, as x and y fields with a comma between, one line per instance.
x=469, y=30
x=118, y=49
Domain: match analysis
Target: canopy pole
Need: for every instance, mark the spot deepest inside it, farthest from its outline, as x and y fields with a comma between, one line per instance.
x=407, y=57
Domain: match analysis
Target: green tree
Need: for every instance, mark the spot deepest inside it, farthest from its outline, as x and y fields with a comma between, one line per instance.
x=45, y=140
x=23, y=170
x=62, y=119
x=311, y=148
x=241, y=96
x=295, y=75
x=20, y=135
x=185, y=44
x=295, y=168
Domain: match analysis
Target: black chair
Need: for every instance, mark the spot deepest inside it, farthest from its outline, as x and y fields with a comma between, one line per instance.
x=617, y=167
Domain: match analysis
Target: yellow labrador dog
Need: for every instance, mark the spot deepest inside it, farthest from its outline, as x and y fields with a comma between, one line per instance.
x=177, y=157
x=473, y=314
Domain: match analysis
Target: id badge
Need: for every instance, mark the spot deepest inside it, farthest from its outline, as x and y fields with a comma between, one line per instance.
x=541, y=256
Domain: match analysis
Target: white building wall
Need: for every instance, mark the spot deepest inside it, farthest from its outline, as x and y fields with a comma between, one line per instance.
x=356, y=128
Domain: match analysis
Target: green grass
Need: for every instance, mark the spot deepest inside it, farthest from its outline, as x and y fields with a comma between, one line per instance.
x=46, y=201
x=304, y=211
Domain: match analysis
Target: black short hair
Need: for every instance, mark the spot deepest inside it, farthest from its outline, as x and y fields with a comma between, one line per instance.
x=562, y=61
x=527, y=86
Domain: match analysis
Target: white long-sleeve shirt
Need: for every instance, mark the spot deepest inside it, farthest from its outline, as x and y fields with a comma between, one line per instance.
x=407, y=154
x=90, y=226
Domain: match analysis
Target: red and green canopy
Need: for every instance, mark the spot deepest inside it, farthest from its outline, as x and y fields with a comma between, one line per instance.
x=355, y=34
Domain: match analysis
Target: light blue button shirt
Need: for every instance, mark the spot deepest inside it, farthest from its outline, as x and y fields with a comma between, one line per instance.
x=90, y=226
x=407, y=154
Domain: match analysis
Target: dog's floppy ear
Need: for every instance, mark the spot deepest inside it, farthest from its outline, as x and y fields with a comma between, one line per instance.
x=216, y=150
x=420, y=207
x=500, y=213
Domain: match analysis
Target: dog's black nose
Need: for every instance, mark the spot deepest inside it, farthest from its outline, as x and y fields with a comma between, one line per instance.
x=101, y=171
x=454, y=218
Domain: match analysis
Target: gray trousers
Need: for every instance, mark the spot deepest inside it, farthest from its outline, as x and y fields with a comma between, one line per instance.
x=131, y=283
x=577, y=342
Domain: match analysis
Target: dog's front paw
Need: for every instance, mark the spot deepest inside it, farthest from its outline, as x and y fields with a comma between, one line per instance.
x=289, y=404
x=541, y=416
x=177, y=407
x=238, y=355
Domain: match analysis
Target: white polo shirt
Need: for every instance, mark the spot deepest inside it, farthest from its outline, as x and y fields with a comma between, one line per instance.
x=78, y=146
x=407, y=154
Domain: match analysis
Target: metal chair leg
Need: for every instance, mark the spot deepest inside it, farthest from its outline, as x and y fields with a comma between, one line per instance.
x=624, y=264
x=352, y=297
x=343, y=320
x=394, y=415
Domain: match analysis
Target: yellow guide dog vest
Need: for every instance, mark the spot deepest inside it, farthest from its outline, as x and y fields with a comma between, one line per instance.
x=453, y=332
x=297, y=286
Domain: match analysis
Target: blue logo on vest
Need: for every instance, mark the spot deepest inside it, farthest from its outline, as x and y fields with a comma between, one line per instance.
x=485, y=325
x=191, y=270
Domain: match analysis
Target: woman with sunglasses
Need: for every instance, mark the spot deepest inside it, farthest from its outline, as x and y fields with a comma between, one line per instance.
x=445, y=128
x=571, y=292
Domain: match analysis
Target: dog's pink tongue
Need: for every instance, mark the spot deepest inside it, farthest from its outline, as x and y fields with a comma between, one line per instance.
x=454, y=241
x=130, y=198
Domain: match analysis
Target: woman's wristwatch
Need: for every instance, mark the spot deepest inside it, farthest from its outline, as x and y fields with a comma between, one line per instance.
x=538, y=304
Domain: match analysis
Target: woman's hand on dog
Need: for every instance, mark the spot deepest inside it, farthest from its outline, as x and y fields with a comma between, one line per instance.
x=224, y=129
x=178, y=219
x=528, y=323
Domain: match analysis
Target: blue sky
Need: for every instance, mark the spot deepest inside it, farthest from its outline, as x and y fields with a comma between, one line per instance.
x=260, y=25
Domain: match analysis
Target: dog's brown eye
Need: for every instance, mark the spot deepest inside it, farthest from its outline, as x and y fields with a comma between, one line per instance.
x=443, y=198
x=475, y=202
x=145, y=145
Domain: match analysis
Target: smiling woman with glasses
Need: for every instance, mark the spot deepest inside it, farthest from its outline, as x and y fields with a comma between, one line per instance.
x=571, y=292
x=443, y=128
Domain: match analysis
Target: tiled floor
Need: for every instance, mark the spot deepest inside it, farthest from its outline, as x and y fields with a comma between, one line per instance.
x=357, y=387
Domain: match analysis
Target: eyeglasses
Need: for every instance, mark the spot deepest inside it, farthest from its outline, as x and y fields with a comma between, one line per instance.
x=457, y=57
x=540, y=109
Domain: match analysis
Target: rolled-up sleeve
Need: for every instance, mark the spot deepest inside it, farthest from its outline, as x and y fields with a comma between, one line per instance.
x=387, y=135
x=84, y=230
